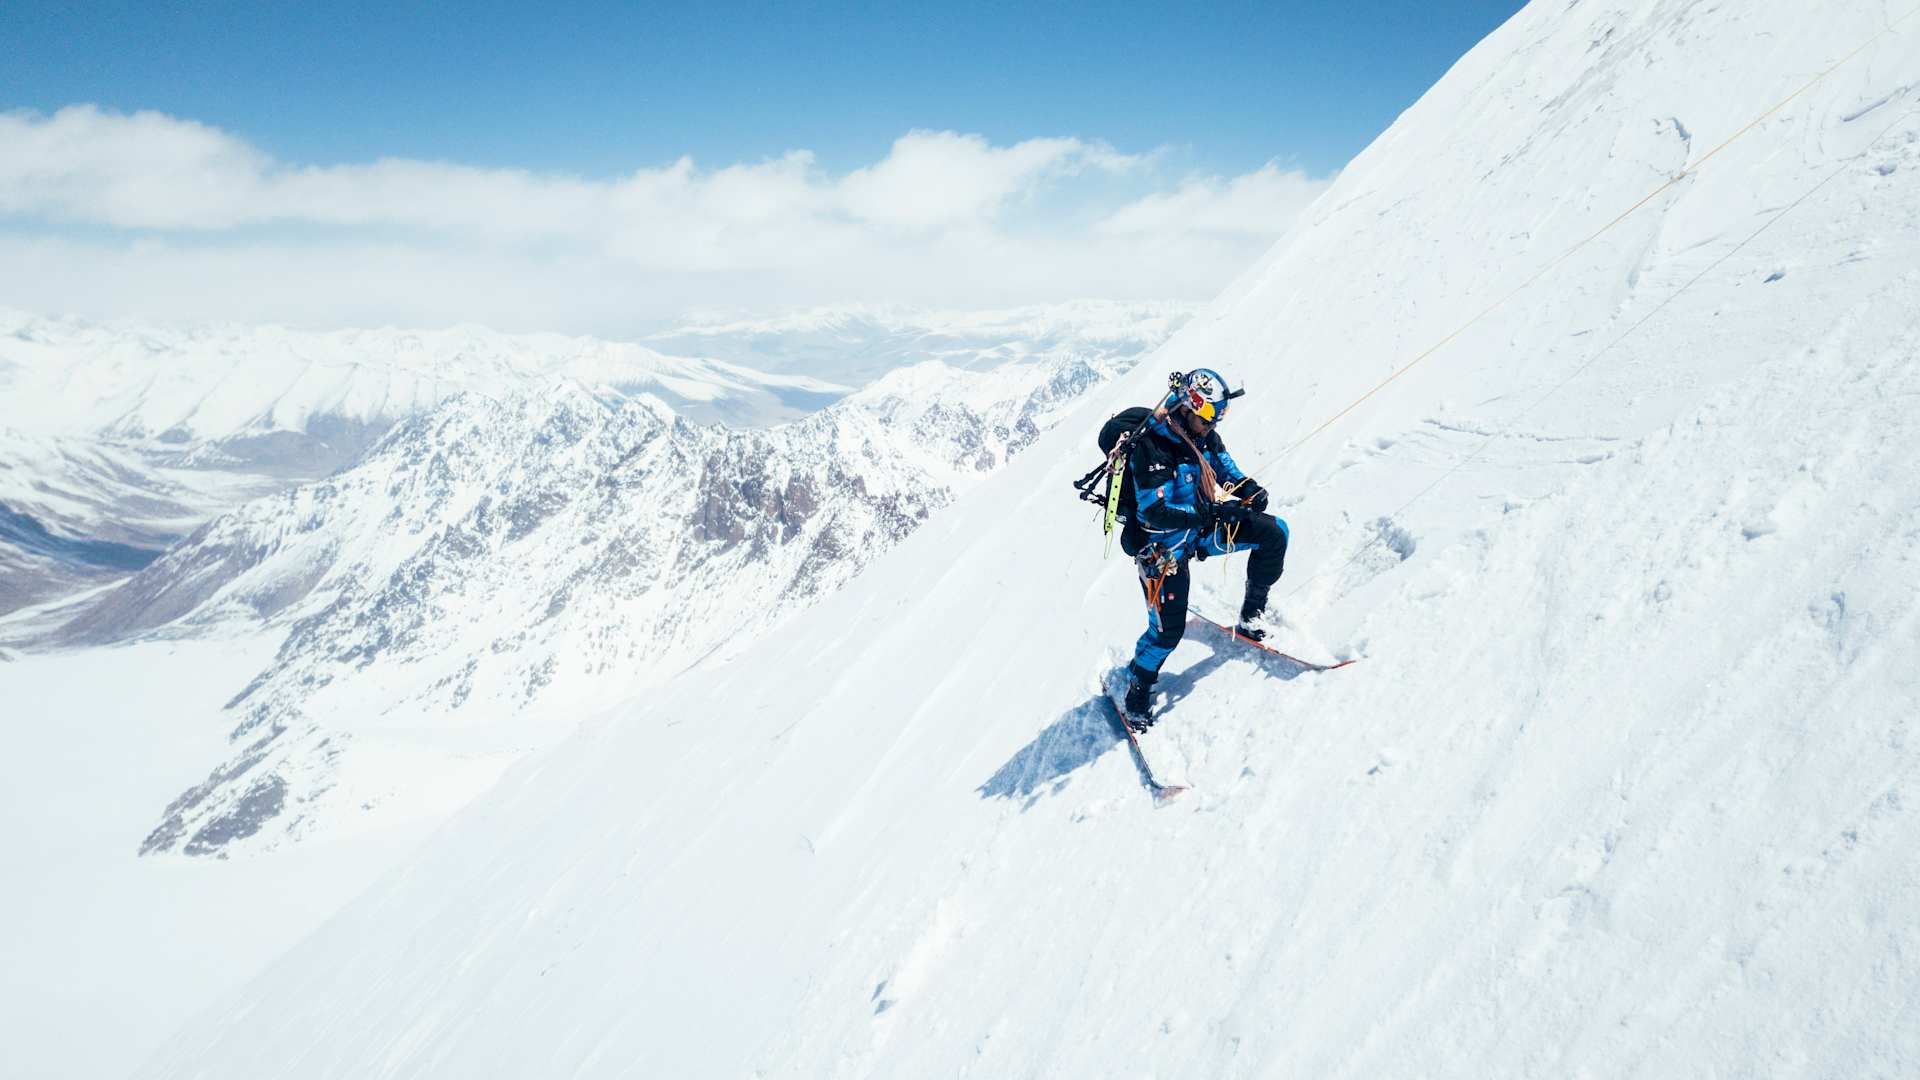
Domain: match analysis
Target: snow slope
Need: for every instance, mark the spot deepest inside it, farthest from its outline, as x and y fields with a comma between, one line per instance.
x=1624, y=783
x=107, y=954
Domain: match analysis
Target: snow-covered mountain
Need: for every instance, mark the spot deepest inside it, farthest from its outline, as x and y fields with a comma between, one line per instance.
x=495, y=566
x=117, y=440
x=1622, y=785
x=314, y=400
x=127, y=436
x=855, y=344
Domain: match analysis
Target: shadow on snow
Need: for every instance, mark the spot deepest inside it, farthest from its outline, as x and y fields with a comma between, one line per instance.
x=1090, y=729
x=1079, y=737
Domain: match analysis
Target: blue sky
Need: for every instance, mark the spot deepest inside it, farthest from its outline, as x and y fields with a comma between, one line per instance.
x=603, y=87
x=1217, y=121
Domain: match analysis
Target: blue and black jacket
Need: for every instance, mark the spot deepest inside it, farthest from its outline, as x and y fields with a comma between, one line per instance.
x=1168, y=506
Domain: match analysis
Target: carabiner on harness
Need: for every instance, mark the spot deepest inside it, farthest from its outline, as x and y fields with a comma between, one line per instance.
x=1156, y=564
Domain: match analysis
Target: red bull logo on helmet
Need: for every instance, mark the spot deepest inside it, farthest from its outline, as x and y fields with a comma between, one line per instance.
x=1206, y=394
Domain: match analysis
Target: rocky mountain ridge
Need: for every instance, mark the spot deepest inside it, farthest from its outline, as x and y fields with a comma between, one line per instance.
x=499, y=567
x=118, y=439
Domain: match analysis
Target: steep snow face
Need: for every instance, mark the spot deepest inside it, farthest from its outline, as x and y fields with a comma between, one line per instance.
x=856, y=344
x=495, y=567
x=1622, y=786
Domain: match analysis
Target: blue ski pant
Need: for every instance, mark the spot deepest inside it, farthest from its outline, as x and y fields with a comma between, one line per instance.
x=1264, y=539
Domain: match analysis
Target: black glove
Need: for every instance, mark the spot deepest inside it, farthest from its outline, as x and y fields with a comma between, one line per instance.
x=1253, y=494
x=1232, y=513
x=1165, y=517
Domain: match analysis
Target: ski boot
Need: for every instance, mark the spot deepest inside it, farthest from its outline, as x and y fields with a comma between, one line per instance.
x=1255, y=624
x=1139, y=711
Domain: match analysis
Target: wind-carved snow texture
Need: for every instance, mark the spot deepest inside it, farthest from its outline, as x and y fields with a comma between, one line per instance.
x=1619, y=789
x=489, y=555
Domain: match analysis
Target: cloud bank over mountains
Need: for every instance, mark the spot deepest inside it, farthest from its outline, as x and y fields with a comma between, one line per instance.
x=109, y=214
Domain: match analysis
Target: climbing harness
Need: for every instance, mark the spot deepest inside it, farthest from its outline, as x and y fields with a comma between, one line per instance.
x=1156, y=564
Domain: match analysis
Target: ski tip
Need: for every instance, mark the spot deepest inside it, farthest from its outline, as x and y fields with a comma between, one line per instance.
x=1166, y=793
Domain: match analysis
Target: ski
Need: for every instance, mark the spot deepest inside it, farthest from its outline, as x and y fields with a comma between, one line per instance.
x=1265, y=648
x=1162, y=793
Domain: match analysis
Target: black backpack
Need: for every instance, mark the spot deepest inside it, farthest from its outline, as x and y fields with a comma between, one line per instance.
x=1093, y=486
x=1121, y=423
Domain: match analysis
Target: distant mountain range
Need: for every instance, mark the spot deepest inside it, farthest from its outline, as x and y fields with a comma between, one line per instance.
x=117, y=440
x=857, y=344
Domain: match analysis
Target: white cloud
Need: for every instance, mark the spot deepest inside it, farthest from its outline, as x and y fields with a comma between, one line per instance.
x=1262, y=203
x=935, y=179
x=141, y=171
x=184, y=220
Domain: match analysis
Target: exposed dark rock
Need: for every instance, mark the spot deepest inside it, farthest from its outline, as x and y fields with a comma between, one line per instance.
x=174, y=820
x=263, y=801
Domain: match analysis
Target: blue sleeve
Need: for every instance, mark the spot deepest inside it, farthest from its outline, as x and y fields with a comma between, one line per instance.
x=1224, y=465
